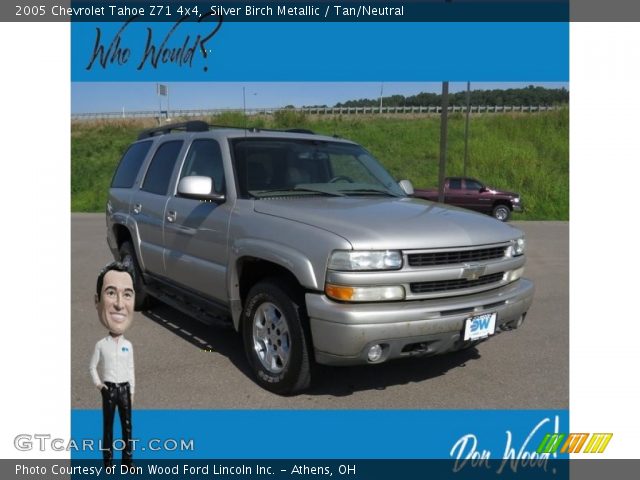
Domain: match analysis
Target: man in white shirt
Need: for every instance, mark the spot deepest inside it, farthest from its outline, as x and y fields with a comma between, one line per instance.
x=115, y=301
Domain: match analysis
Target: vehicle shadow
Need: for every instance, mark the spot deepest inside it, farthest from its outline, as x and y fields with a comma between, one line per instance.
x=219, y=339
x=340, y=381
x=334, y=381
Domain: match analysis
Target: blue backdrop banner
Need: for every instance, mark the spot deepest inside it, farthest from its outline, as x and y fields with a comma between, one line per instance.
x=327, y=434
x=214, y=51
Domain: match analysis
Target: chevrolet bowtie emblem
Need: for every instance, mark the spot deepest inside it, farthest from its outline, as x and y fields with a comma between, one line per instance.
x=473, y=272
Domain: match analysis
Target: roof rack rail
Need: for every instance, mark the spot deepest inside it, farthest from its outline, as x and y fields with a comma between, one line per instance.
x=260, y=129
x=235, y=127
x=191, y=126
x=202, y=126
x=300, y=130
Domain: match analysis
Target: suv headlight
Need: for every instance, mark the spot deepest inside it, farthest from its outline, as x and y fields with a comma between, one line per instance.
x=360, y=260
x=364, y=294
x=518, y=247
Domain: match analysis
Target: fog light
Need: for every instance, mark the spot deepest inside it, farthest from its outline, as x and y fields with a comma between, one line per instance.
x=514, y=275
x=375, y=353
x=513, y=324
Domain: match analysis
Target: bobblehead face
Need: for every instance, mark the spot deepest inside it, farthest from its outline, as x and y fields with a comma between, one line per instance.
x=116, y=303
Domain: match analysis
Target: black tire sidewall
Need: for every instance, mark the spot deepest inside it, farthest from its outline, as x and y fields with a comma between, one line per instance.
x=142, y=299
x=285, y=382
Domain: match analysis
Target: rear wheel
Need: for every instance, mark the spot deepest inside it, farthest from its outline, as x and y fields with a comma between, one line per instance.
x=501, y=212
x=275, y=338
x=128, y=256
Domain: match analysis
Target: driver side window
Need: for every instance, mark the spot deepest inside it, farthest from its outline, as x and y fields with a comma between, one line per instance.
x=472, y=185
x=205, y=159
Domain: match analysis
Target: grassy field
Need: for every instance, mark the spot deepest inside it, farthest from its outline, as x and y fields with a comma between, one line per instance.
x=526, y=153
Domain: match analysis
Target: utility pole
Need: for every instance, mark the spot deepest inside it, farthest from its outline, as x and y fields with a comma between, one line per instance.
x=443, y=140
x=466, y=131
x=381, y=87
x=244, y=107
x=159, y=103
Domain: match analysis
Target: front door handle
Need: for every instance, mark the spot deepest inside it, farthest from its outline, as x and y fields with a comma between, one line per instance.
x=171, y=216
x=137, y=208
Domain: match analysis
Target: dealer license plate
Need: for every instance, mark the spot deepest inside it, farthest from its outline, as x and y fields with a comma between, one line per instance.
x=480, y=326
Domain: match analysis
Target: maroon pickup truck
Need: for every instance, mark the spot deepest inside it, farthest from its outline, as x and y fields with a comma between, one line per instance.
x=472, y=194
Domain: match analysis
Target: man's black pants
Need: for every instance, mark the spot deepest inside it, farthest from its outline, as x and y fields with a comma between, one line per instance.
x=116, y=395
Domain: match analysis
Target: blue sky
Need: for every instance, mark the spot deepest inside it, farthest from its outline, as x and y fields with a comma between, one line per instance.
x=113, y=97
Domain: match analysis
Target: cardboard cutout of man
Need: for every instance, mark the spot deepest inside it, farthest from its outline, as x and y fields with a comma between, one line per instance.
x=113, y=355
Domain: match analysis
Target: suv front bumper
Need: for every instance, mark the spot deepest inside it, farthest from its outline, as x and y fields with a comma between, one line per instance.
x=343, y=333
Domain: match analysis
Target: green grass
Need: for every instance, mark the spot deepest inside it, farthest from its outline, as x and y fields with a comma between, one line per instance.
x=526, y=153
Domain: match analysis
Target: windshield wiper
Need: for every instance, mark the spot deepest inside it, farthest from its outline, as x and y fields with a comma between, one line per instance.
x=297, y=190
x=369, y=191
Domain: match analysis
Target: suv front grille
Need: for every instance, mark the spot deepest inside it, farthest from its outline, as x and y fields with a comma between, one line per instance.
x=458, y=284
x=460, y=256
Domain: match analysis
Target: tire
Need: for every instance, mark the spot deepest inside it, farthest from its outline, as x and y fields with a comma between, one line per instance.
x=128, y=255
x=276, y=337
x=501, y=212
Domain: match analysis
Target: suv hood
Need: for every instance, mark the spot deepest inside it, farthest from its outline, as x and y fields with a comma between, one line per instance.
x=391, y=223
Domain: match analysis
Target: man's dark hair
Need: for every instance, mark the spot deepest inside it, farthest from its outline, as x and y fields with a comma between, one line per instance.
x=118, y=267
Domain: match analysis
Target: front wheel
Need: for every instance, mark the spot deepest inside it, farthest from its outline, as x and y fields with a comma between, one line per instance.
x=275, y=339
x=128, y=256
x=501, y=212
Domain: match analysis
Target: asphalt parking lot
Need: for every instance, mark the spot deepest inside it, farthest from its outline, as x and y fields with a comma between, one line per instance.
x=181, y=363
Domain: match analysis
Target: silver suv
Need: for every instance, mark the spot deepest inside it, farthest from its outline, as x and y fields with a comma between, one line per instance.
x=309, y=248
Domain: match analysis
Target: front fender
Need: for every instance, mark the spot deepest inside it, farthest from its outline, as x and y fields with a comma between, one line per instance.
x=287, y=257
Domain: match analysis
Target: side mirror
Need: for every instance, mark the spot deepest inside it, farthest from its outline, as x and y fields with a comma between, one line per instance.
x=199, y=188
x=406, y=186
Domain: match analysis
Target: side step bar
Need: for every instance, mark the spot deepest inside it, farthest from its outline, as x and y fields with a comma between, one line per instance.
x=183, y=305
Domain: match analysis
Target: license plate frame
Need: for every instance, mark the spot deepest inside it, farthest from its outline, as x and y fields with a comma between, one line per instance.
x=480, y=326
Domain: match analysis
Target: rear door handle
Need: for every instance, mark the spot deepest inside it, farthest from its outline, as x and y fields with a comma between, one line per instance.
x=171, y=216
x=137, y=208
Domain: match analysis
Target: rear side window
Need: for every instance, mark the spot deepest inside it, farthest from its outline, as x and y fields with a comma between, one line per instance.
x=129, y=166
x=455, y=184
x=159, y=172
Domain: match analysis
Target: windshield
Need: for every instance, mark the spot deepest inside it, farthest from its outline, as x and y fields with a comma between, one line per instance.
x=268, y=167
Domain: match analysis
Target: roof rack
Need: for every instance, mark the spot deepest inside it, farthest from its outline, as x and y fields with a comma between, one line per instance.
x=191, y=126
x=300, y=130
x=260, y=129
x=235, y=127
x=202, y=126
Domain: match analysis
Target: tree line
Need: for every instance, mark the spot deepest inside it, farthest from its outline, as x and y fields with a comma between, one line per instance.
x=530, y=95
